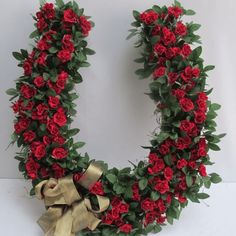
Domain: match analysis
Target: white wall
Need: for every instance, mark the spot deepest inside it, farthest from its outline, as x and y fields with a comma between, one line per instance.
x=114, y=115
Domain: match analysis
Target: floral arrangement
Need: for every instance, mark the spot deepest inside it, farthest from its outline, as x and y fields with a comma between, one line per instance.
x=143, y=198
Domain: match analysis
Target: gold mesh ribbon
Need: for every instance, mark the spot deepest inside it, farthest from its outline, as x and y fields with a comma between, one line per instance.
x=67, y=212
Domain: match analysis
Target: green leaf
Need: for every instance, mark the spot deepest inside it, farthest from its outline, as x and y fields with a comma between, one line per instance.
x=215, y=178
x=189, y=180
x=34, y=34
x=18, y=56
x=136, y=15
x=24, y=53
x=194, y=27
x=89, y=51
x=155, y=196
x=11, y=92
x=157, y=9
x=53, y=50
x=177, y=3
x=143, y=183
x=111, y=178
x=78, y=145
x=203, y=195
x=189, y=12
x=59, y=3
x=196, y=53
x=213, y=147
x=72, y=132
x=208, y=68
x=215, y=106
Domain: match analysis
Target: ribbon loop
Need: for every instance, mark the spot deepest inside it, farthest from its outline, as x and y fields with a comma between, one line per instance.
x=67, y=212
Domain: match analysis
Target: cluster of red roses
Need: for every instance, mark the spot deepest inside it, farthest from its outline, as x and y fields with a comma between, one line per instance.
x=47, y=113
x=193, y=105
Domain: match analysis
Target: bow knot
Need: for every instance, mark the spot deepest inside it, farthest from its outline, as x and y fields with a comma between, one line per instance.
x=67, y=211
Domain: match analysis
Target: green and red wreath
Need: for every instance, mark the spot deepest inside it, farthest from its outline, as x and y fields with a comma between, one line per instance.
x=154, y=191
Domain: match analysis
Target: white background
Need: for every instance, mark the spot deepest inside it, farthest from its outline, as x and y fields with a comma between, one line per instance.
x=114, y=115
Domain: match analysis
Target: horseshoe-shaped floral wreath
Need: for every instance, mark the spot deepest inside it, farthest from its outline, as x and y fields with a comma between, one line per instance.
x=154, y=191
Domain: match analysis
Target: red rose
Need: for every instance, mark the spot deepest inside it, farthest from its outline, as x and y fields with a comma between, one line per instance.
x=67, y=44
x=39, y=81
x=168, y=173
x=181, y=163
x=46, y=140
x=199, y=117
x=201, y=152
x=40, y=151
x=60, y=118
x=59, y=172
x=153, y=158
x=159, y=165
x=41, y=108
x=32, y=168
x=180, y=29
x=159, y=72
x=26, y=91
x=159, y=49
x=164, y=149
x=59, y=139
x=41, y=24
x=156, y=30
x=161, y=220
x=150, y=217
x=43, y=45
x=182, y=199
x=162, y=186
x=186, y=104
x=52, y=127
x=178, y=93
x=107, y=219
x=64, y=55
x=160, y=205
x=126, y=228
x=186, y=50
x=186, y=126
x=172, y=77
x=202, y=170
x=97, y=189
x=192, y=164
x=85, y=25
x=183, y=142
x=48, y=10
x=196, y=72
x=136, y=195
x=172, y=52
x=148, y=17
x=124, y=208
x=115, y=213
x=59, y=153
x=70, y=16
x=147, y=204
x=175, y=11
x=29, y=136
x=202, y=105
x=27, y=66
x=42, y=59
x=202, y=96
x=53, y=102
x=168, y=36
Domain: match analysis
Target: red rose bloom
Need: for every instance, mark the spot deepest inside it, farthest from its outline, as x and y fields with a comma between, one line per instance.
x=147, y=204
x=178, y=93
x=175, y=11
x=59, y=153
x=187, y=126
x=43, y=45
x=48, y=10
x=40, y=151
x=26, y=91
x=124, y=208
x=199, y=117
x=126, y=228
x=181, y=29
x=42, y=59
x=39, y=81
x=64, y=55
x=29, y=136
x=149, y=17
x=181, y=163
x=70, y=16
x=150, y=217
x=172, y=77
x=186, y=50
x=159, y=49
x=202, y=170
x=32, y=168
x=159, y=72
x=162, y=186
x=168, y=36
x=59, y=172
x=60, y=118
x=97, y=189
x=52, y=127
x=168, y=173
x=186, y=104
x=41, y=24
x=85, y=25
x=67, y=44
x=27, y=66
x=159, y=165
x=53, y=101
x=156, y=30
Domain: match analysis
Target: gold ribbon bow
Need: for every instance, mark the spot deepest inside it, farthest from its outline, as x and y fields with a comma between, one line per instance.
x=67, y=212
